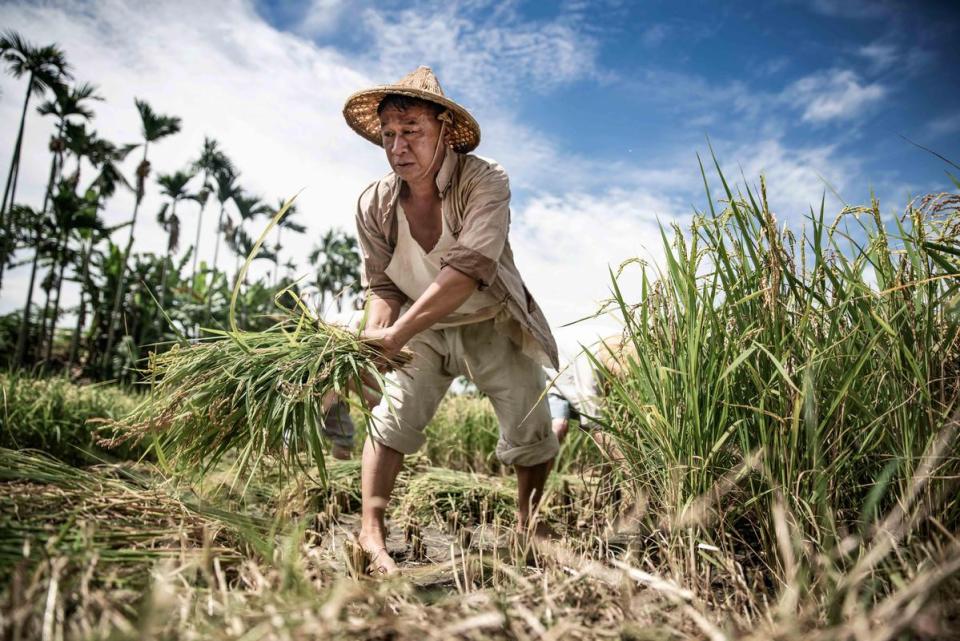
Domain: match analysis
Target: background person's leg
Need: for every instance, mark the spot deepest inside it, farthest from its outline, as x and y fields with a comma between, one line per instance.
x=339, y=429
x=560, y=415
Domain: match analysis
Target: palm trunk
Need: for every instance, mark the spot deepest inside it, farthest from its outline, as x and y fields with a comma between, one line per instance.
x=55, y=263
x=163, y=278
x=121, y=282
x=56, y=304
x=9, y=192
x=82, y=311
x=216, y=253
x=276, y=260
x=216, y=245
x=25, y=321
x=196, y=243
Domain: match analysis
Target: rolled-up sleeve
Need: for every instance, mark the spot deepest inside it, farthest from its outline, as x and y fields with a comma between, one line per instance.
x=486, y=224
x=374, y=249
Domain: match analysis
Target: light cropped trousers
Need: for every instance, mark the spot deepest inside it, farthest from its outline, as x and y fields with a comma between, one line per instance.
x=513, y=381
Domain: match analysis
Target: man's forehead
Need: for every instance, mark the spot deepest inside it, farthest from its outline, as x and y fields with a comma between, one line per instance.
x=410, y=114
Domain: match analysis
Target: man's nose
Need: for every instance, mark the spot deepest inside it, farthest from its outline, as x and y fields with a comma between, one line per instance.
x=399, y=144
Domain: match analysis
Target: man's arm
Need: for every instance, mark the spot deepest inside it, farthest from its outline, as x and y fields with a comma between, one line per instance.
x=382, y=312
x=442, y=297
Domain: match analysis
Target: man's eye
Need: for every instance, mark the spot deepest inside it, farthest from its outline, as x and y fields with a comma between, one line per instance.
x=387, y=134
x=408, y=132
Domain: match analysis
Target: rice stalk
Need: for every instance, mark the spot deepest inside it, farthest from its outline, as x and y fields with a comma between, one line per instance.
x=251, y=392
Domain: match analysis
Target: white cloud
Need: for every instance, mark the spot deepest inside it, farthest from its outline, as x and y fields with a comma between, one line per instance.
x=945, y=125
x=271, y=99
x=837, y=94
x=881, y=55
x=565, y=245
x=322, y=17
x=480, y=59
x=654, y=35
x=796, y=177
x=856, y=9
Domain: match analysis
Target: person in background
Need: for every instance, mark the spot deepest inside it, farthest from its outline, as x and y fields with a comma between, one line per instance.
x=575, y=394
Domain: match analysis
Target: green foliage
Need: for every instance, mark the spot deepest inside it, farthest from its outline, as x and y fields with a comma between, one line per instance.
x=463, y=435
x=812, y=371
x=51, y=414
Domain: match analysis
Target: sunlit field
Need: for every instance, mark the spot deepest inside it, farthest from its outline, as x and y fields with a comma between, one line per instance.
x=785, y=399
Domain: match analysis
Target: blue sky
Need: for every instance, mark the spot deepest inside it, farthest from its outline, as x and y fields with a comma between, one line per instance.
x=643, y=82
x=596, y=109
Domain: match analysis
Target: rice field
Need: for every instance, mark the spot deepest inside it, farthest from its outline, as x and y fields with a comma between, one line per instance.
x=786, y=402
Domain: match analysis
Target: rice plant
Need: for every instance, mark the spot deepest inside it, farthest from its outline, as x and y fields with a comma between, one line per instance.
x=51, y=414
x=808, y=373
x=48, y=507
x=252, y=392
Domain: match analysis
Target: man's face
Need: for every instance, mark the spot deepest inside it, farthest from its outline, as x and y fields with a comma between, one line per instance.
x=410, y=139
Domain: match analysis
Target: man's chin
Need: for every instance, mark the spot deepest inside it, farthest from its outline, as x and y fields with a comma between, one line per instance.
x=405, y=171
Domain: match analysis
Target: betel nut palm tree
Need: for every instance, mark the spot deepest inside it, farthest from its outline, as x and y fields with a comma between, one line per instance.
x=67, y=103
x=211, y=163
x=289, y=224
x=45, y=67
x=155, y=127
x=174, y=187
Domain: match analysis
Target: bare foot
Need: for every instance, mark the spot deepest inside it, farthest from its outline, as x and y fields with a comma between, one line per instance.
x=381, y=563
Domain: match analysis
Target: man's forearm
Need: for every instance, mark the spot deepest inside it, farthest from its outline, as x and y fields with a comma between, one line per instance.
x=382, y=312
x=443, y=296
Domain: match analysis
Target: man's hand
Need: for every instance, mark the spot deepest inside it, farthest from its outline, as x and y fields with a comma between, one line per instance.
x=386, y=339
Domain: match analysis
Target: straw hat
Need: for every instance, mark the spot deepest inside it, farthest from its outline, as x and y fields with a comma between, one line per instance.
x=360, y=109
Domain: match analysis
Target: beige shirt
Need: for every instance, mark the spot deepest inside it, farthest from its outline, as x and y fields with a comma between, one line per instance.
x=475, y=204
x=413, y=270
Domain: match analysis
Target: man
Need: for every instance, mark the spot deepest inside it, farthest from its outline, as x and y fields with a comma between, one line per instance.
x=441, y=280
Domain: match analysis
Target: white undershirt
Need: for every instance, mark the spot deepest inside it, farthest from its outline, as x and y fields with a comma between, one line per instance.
x=413, y=270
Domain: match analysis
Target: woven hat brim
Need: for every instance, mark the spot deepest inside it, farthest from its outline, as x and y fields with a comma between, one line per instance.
x=360, y=112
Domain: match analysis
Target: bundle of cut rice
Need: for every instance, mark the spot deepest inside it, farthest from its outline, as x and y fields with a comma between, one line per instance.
x=256, y=393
